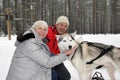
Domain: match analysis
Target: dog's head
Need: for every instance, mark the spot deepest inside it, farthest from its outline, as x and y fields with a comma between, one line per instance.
x=67, y=41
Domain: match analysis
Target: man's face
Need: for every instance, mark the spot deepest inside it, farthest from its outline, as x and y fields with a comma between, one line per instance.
x=61, y=28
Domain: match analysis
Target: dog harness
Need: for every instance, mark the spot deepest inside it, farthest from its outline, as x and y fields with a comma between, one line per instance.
x=105, y=51
x=79, y=47
x=97, y=76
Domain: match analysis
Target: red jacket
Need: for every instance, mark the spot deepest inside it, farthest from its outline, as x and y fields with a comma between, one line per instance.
x=52, y=41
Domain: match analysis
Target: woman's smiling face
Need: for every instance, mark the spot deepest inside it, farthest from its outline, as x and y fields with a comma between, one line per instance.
x=42, y=31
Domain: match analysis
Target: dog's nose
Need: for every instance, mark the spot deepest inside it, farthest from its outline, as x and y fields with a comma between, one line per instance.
x=69, y=46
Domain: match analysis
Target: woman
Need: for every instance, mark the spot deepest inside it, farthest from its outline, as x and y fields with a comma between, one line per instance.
x=32, y=59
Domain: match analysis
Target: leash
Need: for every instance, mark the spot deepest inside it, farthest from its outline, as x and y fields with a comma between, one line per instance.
x=105, y=51
x=79, y=47
x=74, y=53
x=75, y=50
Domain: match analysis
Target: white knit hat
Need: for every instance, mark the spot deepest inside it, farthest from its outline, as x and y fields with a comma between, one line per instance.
x=63, y=19
x=40, y=22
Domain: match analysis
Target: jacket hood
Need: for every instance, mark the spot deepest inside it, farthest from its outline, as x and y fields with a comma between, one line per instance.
x=28, y=35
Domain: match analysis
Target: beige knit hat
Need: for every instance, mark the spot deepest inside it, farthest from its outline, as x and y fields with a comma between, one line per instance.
x=62, y=19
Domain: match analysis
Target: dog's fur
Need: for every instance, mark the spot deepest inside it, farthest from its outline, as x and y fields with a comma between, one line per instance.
x=86, y=52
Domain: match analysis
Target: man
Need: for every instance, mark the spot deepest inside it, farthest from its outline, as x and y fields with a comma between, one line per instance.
x=61, y=26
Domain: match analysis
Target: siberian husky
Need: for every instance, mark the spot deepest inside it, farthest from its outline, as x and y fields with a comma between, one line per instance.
x=89, y=57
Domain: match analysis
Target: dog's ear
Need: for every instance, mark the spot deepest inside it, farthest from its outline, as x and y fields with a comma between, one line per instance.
x=74, y=33
x=78, y=39
x=59, y=37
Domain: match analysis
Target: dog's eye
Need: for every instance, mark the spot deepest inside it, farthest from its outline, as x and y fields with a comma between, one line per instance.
x=70, y=40
x=64, y=40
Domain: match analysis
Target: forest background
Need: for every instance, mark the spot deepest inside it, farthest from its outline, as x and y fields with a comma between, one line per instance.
x=86, y=16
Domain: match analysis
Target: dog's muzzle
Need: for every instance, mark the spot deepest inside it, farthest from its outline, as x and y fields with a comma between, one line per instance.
x=70, y=47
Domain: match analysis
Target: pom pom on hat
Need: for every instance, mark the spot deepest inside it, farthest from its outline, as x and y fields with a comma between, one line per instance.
x=63, y=19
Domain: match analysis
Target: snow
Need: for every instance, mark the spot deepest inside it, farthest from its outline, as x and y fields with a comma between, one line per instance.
x=109, y=39
x=6, y=51
x=7, y=48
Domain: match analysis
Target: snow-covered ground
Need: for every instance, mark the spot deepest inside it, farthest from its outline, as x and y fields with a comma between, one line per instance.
x=109, y=39
x=7, y=48
x=6, y=51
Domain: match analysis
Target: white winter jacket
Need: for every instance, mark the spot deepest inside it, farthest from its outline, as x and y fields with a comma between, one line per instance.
x=32, y=60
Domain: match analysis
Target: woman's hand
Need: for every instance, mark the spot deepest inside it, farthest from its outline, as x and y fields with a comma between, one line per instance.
x=68, y=52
